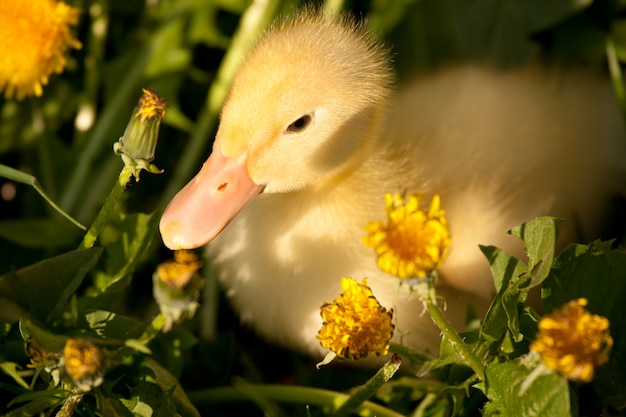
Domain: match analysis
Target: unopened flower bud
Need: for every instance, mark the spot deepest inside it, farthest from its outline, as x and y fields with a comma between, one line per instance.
x=138, y=144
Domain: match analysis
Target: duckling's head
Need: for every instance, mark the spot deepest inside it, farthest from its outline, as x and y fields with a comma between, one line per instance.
x=306, y=105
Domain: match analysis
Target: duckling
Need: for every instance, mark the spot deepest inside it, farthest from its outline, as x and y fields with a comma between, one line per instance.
x=312, y=137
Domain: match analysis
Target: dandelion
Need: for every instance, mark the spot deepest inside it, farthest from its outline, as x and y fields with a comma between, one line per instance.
x=83, y=363
x=138, y=144
x=176, y=287
x=39, y=357
x=573, y=342
x=177, y=273
x=355, y=324
x=412, y=243
x=35, y=38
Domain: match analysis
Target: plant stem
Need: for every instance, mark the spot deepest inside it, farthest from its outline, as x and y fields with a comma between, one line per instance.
x=450, y=333
x=95, y=46
x=106, y=210
x=70, y=403
x=287, y=394
x=364, y=392
x=616, y=75
x=415, y=357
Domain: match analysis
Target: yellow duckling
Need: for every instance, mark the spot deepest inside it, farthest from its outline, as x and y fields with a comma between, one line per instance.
x=311, y=139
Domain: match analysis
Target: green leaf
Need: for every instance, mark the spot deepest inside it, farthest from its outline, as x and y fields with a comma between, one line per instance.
x=42, y=290
x=49, y=342
x=502, y=314
x=513, y=279
x=539, y=236
x=449, y=365
x=548, y=395
x=137, y=232
x=11, y=369
x=37, y=402
x=168, y=50
x=170, y=388
x=112, y=326
x=19, y=176
x=203, y=28
x=39, y=233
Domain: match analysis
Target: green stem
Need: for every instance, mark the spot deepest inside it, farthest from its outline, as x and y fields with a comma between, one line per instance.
x=451, y=334
x=210, y=303
x=286, y=394
x=364, y=392
x=106, y=210
x=426, y=402
x=334, y=7
x=415, y=357
x=43, y=194
x=95, y=48
x=70, y=404
x=616, y=75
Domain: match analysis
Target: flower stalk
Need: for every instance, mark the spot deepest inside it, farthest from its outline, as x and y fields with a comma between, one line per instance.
x=136, y=148
x=107, y=208
x=463, y=349
x=70, y=403
x=364, y=392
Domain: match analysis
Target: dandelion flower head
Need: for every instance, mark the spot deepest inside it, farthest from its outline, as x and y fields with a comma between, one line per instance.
x=177, y=273
x=35, y=38
x=150, y=106
x=83, y=363
x=573, y=341
x=355, y=324
x=412, y=243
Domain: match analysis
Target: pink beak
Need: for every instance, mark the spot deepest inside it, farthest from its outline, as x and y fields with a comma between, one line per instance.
x=208, y=202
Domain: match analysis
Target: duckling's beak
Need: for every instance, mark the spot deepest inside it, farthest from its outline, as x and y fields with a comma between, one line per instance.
x=209, y=202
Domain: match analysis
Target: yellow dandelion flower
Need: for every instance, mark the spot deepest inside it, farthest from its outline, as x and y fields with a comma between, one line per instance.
x=412, y=243
x=83, y=363
x=35, y=38
x=573, y=342
x=177, y=273
x=355, y=324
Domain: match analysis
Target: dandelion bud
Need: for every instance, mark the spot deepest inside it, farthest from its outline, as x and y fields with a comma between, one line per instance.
x=138, y=144
x=83, y=363
x=176, y=287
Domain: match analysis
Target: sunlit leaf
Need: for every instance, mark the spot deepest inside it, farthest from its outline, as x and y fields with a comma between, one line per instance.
x=548, y=395
x=506, y=270
x=11, y=369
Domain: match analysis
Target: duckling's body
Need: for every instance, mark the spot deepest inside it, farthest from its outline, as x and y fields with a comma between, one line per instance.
x=499, y=147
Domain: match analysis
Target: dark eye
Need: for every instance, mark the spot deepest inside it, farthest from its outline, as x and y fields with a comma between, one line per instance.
x=300, y=124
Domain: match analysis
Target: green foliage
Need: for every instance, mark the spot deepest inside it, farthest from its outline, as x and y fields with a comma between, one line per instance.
x=187, y=51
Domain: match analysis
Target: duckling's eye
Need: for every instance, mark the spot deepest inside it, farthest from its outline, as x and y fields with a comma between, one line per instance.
x=299, y=125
